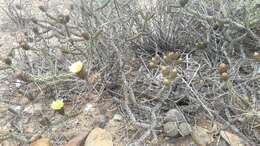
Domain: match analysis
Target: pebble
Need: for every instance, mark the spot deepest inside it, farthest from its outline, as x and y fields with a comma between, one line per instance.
x=174, y=115
x=184, y=129
x=117, y=117
x=88, y=108
x=171, y=129
x=99, y=137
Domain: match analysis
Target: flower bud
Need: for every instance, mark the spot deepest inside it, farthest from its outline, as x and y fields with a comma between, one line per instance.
x=58, y=106
x=24, y=45
x=156, y=59
x=78, y=69
x=153, y=59
x=179, y=61
x=247, y=99
x=152, y=65
x=85, y=35
x=174, y=55
x=166, y=82
x=42, y=8
x=219, y=25
x=201, y=45
x=167, y=59
x=224, y=76
x=165, y=71
x=20, y=75
x=222, y=68
x=173, y=73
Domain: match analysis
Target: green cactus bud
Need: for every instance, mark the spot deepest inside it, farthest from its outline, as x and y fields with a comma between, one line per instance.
x=165, y=71
x=167, y=82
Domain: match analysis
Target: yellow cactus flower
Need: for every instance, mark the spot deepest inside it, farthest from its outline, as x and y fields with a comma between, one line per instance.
x=57, y=104
x=76, y=67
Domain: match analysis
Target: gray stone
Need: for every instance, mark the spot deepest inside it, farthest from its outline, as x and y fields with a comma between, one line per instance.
x=184, y=129
x=174, y=115
x=117, y=117
x=171, y=129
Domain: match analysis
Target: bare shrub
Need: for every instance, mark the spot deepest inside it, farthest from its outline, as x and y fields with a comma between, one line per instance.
x=118, y=38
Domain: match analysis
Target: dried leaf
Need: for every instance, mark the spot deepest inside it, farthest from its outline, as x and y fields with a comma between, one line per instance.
x=78, y=140
x=232, y=139
x=201, y=136
x=99, y=137
x=41, y=142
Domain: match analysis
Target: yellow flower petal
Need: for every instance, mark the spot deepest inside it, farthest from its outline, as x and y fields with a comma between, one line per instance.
x=76, y=67
x=57, y=105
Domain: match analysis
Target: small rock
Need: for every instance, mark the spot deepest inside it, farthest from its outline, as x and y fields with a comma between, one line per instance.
x=18, y=83
x=201, y=136
x=171, y=129
x=99, y=137
x=115, y=129
x=29, y=128
x=78, y=140
x=102, y=120
x=33, y=108
x=174, y=115
x=89, y=108
x=15, y=109
x=117, y=117
x=258, y=71
x=232, y=139
x=184, y=129
x=41, y=142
